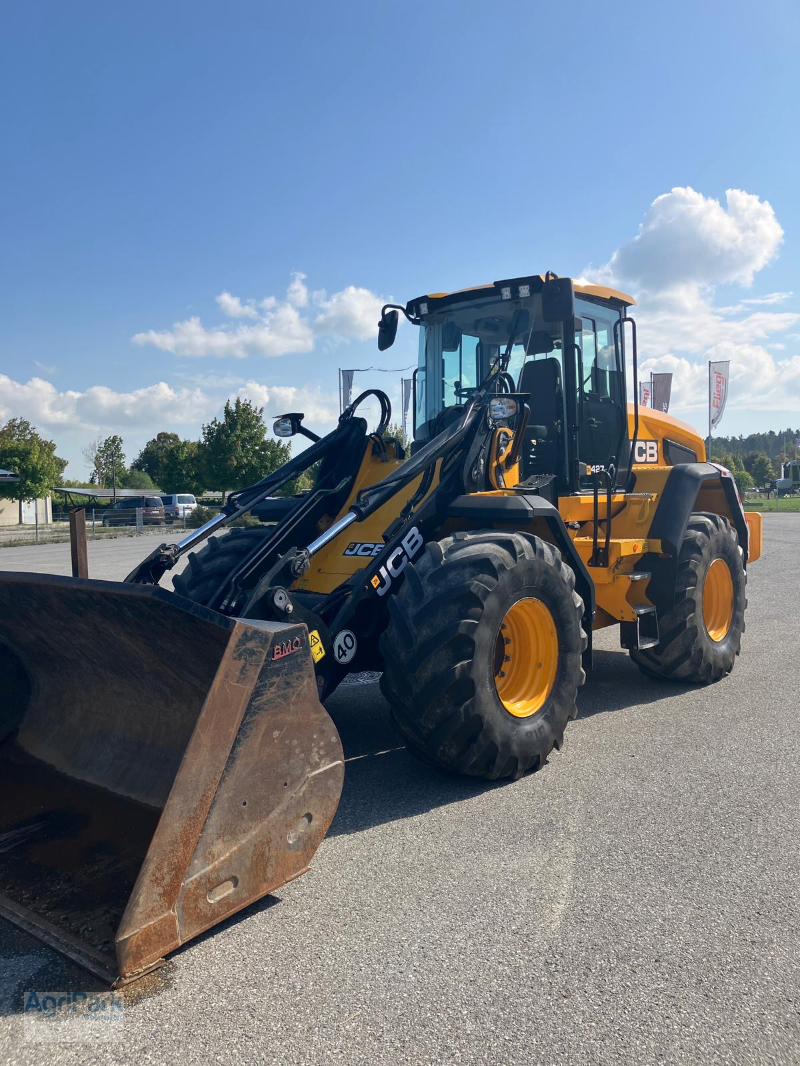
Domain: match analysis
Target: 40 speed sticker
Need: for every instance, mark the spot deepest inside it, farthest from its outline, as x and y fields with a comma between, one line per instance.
x=345, y=646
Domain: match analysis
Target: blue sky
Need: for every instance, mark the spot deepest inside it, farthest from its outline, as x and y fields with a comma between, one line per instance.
x=159, y=155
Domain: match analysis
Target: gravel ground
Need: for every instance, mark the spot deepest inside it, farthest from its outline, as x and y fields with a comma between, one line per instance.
x=634, y=902
x=109, y=560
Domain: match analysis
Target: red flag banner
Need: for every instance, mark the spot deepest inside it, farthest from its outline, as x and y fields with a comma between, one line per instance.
x=717, y=390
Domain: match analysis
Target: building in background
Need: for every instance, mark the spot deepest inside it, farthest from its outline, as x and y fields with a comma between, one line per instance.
x=24, y=512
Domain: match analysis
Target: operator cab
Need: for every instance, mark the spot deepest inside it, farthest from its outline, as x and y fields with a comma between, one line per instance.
x=570, y=371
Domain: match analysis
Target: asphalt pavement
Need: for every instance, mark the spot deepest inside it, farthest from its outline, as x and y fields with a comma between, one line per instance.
x=636, y=901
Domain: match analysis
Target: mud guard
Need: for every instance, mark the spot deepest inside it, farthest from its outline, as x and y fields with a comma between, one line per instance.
x=685, y=483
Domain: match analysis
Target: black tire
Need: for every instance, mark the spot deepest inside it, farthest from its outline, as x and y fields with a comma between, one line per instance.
x=686, y=652
x=440, y=653
x=207, y=568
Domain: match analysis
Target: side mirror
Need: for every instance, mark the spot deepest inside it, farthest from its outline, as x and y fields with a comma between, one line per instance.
x=387, y=330
x=451, y=337
x=558, y=299
x=287, y=425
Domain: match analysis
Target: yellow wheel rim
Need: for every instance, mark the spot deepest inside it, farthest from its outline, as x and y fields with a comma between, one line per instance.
x=526, y=657
x=718, y=600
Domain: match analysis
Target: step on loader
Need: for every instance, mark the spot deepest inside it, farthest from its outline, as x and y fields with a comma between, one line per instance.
x=165, y=758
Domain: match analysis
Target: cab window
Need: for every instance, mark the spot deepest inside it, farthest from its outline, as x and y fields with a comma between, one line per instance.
x=601, y=384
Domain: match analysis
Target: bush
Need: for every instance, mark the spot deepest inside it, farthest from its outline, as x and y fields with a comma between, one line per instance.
x=200, y=515
x=247, y=521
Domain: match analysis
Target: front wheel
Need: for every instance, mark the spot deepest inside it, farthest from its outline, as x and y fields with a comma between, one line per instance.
x=482, y=654
x=701, y=616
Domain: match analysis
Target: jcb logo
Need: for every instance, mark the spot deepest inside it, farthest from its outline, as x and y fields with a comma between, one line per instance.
x=397, y=561
x=363, y=548
x=645, y=451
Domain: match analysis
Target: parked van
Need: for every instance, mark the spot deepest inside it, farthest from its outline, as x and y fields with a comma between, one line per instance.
x=178, y=506
x=123, y=512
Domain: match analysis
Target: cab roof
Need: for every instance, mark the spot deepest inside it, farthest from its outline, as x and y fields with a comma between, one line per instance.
x=535, y=283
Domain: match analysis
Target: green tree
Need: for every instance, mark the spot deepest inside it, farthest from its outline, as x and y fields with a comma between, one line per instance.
x=28, y=454
x=744, y=481
x=761, y=470
x=134, y=479
x=235, y=451
x=396, y=430
x=152, y=458
x=181, y=468
x=106, y=459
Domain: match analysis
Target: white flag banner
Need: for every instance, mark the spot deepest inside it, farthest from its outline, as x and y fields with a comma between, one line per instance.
x=662, y=389
x=407, y=383
x=347, y=387
x=717, y=391
x=644, y=393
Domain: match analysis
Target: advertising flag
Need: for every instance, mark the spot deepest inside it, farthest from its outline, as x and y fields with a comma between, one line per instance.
x=662, y=390
x=717, y=391
x=407, y=383
x=347, y=387
x=644, y=393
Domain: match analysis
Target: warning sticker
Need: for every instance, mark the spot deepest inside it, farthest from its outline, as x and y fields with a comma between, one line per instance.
x=315, y=643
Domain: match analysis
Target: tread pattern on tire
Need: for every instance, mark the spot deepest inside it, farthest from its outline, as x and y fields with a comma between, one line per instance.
x=685, y=652
x=437, y=633
x=207, y=568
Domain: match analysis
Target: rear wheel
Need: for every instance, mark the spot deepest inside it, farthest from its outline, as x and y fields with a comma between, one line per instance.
x=207, y=568
x=701, y=626
x=482, y=654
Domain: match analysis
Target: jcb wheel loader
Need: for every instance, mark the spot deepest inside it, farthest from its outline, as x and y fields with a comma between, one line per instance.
x=536, y=507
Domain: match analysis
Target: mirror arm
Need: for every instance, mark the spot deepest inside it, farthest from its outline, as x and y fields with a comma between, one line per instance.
x=399, y=307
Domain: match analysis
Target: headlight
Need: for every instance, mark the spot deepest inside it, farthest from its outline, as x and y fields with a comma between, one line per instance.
x=502, y=408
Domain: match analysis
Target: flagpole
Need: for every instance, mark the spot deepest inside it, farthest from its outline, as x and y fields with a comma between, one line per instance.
x=708, y=451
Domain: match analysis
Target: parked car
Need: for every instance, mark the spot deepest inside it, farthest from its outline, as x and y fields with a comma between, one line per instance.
x=178, y=505
x=123, y=513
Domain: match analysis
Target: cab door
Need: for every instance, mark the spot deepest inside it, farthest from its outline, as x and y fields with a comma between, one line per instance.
x=602, y=403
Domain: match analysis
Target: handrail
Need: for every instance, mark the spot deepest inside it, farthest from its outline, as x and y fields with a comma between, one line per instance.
x=599, y=556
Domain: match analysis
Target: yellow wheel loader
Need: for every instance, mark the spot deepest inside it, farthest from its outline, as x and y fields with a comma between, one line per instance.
x=165, y=758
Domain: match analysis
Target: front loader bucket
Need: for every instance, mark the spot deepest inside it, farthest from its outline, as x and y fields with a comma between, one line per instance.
x=161, y=766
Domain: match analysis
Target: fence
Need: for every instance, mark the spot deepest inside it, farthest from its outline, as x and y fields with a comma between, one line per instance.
x=133, y=519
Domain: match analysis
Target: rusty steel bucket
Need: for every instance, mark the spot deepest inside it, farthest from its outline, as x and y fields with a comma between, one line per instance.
x=161, y=766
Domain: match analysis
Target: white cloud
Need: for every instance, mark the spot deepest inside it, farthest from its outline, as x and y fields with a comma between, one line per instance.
x=233, y=307
x=692, y=239
x=351, y=313
x=273, y=327
x=99, y=407
x=321, y=409
x=72, y=417
x=687, y=245
x=297, y=293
